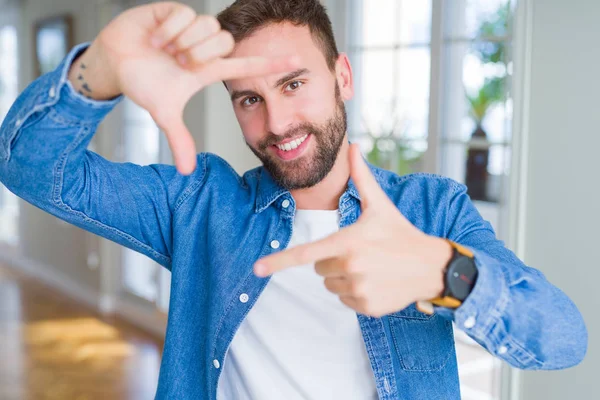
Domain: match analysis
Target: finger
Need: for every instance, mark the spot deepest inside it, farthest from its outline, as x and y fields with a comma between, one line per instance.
x=181, y=143
x=369, y=189
x=219, y=45
x=338, y=285
x=331, y=267
x=237, y=68
x=354, y=303
x=175, y=22
x=201, y=29
x=332, y=246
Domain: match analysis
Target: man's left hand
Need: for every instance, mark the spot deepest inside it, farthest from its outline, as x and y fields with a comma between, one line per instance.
x=378, y=265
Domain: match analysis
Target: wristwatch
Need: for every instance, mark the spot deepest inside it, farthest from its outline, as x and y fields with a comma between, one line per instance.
x=460, y=275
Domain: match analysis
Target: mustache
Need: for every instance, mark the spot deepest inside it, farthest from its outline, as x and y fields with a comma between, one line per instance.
x=304, y=127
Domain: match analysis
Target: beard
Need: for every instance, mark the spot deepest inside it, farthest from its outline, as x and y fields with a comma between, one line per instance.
x=307, y=171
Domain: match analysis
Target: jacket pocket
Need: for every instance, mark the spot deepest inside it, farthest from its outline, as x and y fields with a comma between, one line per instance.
x=422, y=342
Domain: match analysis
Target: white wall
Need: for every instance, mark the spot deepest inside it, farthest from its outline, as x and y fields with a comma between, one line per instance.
x=562, y=207
x=62, y=248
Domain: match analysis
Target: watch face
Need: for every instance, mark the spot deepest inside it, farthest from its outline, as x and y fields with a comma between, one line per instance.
x=461, y=276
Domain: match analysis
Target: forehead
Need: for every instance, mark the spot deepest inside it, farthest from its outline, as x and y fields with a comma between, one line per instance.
x=281, y=40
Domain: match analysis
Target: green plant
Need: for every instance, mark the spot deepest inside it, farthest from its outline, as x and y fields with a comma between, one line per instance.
x=490, y=52
x=490, y=93
x=495, y=27
x=391, y=150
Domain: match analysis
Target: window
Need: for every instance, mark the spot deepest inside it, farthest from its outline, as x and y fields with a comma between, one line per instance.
x=142, y=141
x=432, y=81
x=9, y=67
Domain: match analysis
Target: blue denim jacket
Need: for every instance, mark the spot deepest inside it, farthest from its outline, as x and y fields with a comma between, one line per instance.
x=210, y=227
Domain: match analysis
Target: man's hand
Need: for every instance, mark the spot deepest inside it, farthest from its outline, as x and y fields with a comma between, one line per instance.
x=378, y=265
x=159, y=55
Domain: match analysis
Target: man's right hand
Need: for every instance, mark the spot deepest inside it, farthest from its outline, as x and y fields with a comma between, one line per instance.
x=159, y=55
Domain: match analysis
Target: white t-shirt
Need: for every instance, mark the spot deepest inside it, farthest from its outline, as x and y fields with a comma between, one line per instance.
x=299, y=341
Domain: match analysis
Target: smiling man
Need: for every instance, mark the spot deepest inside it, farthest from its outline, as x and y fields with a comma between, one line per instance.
x=314, y=276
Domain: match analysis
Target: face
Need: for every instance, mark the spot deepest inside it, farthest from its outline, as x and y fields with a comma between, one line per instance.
x=294, y=122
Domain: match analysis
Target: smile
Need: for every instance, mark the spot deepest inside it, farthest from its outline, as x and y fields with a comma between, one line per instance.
x=291, y=145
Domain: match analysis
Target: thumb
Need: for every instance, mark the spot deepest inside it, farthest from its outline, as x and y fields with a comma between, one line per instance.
x=370, y=192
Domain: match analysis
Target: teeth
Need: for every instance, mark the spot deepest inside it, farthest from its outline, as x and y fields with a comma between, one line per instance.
x=293, y=144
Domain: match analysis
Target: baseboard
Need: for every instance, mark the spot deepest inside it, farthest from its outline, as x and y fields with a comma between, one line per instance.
x=52, y=278
x=143, y=317
x=152, y=321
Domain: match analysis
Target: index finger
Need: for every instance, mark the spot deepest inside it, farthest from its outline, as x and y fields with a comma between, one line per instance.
x=236, y=68
x=180, y=141
x=334, y=245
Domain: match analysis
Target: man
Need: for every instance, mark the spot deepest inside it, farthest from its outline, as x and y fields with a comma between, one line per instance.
x=376, y=266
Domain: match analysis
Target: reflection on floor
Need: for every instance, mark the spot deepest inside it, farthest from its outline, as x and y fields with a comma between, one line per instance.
x=52, y=348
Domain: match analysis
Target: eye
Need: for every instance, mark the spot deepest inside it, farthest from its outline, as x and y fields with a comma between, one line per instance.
x=294, y=85
x=249, y=101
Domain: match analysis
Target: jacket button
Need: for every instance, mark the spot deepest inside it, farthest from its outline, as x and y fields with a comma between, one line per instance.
x=285, y=203
x=244, y=298
x=469, y=322
x=275, y=244
x=216, y=363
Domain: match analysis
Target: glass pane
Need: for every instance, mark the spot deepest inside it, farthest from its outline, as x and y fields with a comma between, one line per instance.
x=414, y=24
x=475, y=94
x=139, y=274
x=412, y=91
x=400, y=156
x=392, y=89
x=9, y=58
x=392, y=92
x=454, y=161
x=468, y=19
x=374, y=87
x=479, y=166
x=498, y=168
x=142, y=136
x=393, y=22
x=141, y=146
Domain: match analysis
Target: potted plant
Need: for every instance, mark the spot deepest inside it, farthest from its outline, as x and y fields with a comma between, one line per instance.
x=490, y=93
x=391, y=150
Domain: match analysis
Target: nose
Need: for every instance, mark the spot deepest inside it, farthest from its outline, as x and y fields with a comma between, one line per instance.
x=279, y=117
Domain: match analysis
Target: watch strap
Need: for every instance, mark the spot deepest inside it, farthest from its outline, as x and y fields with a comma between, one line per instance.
x=445, y=301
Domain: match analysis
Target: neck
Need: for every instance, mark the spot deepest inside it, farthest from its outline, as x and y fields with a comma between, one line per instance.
x=326, y=194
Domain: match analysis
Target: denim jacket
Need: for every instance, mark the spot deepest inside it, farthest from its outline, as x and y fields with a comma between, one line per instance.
x=209, y=228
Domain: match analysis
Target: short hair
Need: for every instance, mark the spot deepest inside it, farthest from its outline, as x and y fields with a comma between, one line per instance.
x=244, y=17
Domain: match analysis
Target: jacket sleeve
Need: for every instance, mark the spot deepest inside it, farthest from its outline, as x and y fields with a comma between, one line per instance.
x=44, y=160
x=513, y=311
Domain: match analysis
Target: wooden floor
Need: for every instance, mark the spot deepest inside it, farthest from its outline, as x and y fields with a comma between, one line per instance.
x=51, y=348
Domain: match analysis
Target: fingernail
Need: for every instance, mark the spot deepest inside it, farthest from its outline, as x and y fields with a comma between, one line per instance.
x=156, y=42
x=182, y=59
x=260, y=269
x=170, y=49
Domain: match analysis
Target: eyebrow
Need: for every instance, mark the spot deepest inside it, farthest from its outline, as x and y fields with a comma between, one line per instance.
x=236, y=94
x=291, y=76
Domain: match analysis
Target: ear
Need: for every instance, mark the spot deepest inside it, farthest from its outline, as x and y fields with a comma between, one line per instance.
x=343, y=74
